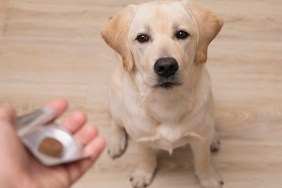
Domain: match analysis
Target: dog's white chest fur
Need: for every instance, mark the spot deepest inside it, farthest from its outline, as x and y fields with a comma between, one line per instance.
x=168, y=137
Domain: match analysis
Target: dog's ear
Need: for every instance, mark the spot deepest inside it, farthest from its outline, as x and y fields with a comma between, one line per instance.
x=116, y=35
x=208, y=26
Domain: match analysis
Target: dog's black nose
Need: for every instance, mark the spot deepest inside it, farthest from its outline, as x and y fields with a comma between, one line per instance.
x=166, y=67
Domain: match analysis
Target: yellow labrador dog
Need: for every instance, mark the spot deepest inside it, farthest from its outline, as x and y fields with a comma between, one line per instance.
x=161, y=94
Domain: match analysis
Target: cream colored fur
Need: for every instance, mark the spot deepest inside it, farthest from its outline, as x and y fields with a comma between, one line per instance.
x=154, y=117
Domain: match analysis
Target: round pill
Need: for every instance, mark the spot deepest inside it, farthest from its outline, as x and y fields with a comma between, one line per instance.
x=51, y=147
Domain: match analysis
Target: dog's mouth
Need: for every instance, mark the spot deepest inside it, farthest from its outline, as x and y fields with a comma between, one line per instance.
x=167, y=85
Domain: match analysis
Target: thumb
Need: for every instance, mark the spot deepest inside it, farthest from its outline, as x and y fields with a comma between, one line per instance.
x=7, y=114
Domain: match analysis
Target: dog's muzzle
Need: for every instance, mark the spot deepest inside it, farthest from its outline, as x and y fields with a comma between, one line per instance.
x=166, y=69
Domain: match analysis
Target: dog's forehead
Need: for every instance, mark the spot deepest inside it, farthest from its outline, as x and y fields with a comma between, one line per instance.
x=161, y=13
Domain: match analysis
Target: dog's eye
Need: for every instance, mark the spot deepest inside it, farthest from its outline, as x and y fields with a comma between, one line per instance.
x=142, y=38
x=181, y=34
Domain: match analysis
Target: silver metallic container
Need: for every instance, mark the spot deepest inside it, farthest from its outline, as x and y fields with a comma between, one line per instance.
x=35, y=127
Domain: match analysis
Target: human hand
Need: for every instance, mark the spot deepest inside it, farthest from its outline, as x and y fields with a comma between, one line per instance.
x=20, y=169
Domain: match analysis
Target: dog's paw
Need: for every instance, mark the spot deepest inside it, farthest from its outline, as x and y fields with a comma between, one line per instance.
x=215, y=145
x=141, y=179
x=117, y=144
x=212, y=181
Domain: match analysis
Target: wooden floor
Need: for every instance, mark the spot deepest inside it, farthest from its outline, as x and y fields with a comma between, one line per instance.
x=52, y=48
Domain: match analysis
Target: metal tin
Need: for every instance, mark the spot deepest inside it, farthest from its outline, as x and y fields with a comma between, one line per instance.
x=33, y=128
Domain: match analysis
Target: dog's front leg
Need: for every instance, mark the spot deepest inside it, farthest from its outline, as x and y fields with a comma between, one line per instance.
x=144, y=173
x=208, y=177
x=118, y=140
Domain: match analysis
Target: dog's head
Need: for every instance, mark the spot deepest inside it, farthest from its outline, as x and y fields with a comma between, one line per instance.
x=162, y=41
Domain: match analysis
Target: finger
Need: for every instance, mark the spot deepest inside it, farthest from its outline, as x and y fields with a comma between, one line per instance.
x=74, y=121
x=7, y=114
x=58, y=105
x=86, y=133
x=95, y=147
x=77, y=169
